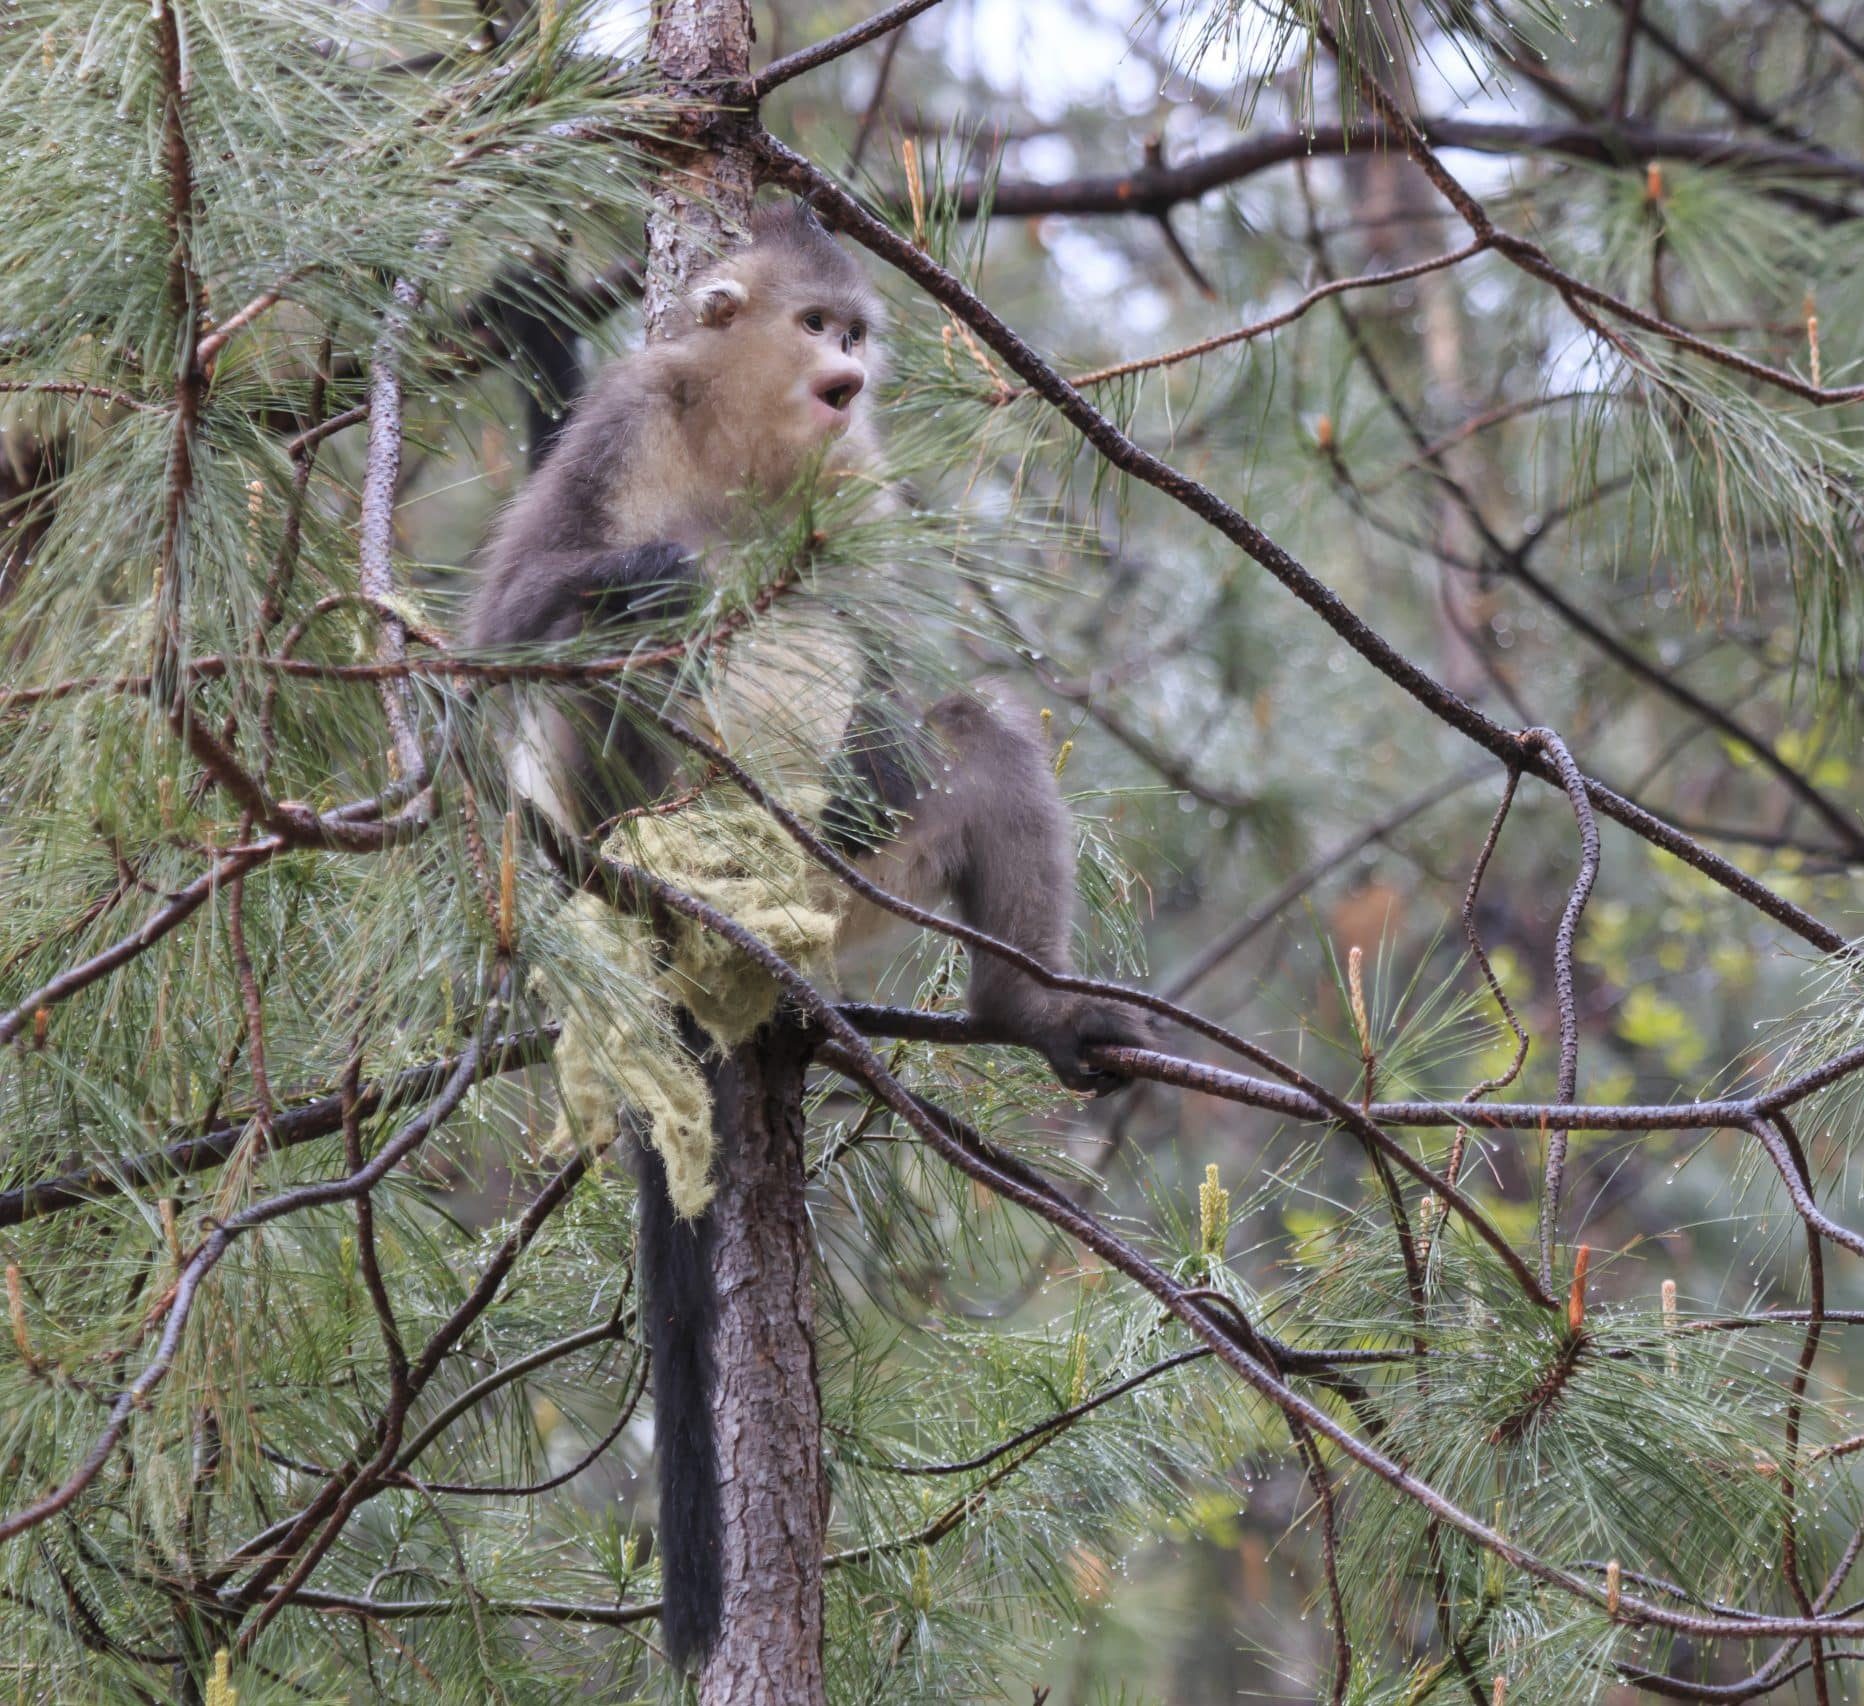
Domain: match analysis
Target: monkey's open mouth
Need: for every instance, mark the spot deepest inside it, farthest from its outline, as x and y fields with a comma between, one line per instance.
x=838, y=397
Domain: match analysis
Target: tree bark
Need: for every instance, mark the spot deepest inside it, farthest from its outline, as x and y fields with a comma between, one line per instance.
x=767, y=1420
x=767, y=1411
x=704, y=196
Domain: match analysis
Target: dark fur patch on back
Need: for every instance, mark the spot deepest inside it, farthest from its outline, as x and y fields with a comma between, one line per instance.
x=876, y=776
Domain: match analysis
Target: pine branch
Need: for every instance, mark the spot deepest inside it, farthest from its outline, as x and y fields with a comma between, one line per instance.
x=1156, y=189
x=1118, y=449
x=793, y=65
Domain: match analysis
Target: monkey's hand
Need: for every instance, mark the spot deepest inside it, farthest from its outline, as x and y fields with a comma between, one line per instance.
x=655, y=582
x=556, y=595
x=1066, y=1029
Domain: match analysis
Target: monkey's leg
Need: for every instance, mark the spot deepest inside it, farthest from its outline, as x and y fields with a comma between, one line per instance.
x=987, y=826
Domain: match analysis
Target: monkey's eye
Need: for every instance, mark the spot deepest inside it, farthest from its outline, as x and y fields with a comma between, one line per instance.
x=813, y=322
x=856, y=332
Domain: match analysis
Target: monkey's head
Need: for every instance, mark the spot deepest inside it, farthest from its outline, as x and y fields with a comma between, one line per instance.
x=786, y=330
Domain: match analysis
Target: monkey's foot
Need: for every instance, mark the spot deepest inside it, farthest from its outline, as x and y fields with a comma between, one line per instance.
x=1079, y=1025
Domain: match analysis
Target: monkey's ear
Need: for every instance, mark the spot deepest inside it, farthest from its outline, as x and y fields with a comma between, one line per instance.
x=717, y=302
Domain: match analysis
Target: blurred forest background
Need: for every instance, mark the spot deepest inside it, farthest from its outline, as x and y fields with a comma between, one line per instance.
x=1574, y=522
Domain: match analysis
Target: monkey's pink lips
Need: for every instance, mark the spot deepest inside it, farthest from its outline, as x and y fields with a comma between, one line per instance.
x=833, y=403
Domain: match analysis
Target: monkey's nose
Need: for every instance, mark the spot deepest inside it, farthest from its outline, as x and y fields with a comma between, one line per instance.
x=840, y=389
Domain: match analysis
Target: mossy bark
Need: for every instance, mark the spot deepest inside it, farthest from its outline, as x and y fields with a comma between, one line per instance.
x=767, y=1419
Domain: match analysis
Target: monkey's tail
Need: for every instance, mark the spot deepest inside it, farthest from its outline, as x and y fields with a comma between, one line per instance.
x=680, y=1305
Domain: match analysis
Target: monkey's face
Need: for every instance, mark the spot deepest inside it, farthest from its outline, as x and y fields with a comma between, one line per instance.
x=797, y=352
x=832, y=368
x=807, y=358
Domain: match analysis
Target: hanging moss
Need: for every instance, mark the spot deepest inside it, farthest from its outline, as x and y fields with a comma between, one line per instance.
x=725, y=851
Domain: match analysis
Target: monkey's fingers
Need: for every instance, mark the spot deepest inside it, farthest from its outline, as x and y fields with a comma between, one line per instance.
x=1092, y=1028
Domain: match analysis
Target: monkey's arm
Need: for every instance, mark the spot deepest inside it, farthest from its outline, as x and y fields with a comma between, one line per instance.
x=555, y=595
x=568, y=751
x=987, y=826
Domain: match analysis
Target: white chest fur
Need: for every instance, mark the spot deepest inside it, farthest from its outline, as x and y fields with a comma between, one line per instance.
x=782, y=696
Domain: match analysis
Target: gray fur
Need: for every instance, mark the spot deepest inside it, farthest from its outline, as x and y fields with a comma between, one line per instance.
x=732, y=404
x=652, y=469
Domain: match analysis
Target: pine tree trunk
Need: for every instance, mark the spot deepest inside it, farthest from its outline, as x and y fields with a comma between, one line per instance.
x=767, y=1415
x=703, y=195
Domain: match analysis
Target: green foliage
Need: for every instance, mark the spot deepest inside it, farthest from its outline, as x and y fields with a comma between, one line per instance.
x=1162, y=1544
x=1254, y=45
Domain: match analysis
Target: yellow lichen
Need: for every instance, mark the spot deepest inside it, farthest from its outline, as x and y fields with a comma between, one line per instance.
x=779, y=700
x=723, y=850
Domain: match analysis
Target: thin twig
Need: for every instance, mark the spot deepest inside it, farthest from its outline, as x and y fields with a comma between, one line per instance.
x=1153, y=189
x=786, y=166
x=1320, y=293
x=781, y=71
x=1563, y=944
x=75, y=388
